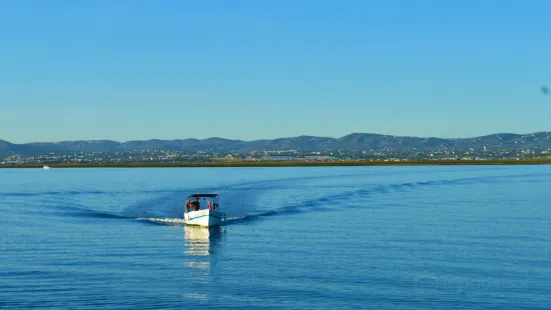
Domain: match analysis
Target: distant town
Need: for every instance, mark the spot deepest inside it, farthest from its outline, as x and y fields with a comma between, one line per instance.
x=353, y=147
x=160, y=156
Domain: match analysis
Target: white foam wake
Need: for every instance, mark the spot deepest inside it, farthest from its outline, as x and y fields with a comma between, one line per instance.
x=162, y=220
x=236, y=218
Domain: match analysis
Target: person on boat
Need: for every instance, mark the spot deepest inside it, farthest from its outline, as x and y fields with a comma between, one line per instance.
x=195, y=204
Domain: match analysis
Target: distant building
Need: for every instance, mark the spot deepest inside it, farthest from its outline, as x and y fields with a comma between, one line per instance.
x=280, y=158
x=319, y=157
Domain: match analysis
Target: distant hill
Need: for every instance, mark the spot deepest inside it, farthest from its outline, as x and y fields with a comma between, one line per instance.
x=355, y=141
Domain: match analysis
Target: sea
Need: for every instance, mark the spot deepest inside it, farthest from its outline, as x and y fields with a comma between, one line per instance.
x=435, y=237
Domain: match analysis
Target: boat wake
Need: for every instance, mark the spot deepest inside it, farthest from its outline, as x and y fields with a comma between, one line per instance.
x=165, y=210
x=166, y=221
x=356, y=198
x=181, y=222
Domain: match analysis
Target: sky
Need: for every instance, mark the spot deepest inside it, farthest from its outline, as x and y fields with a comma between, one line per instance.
x=133, y=70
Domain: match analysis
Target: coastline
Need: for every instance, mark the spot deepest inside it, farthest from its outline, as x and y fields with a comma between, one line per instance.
x=534, y=161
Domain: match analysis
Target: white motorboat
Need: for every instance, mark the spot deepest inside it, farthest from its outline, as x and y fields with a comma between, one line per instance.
x=206, y=217
x=46, y=167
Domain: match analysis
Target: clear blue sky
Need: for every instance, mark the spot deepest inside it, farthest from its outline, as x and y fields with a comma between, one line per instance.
x=125, y=70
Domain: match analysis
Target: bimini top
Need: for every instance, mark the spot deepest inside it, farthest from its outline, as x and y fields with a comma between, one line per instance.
x=203, y=195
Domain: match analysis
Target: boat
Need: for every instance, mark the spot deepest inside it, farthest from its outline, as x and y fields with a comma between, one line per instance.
x=46, y=167
x=203, y=214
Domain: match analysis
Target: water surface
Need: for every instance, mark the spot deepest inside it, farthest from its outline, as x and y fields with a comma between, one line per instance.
x=298, y=237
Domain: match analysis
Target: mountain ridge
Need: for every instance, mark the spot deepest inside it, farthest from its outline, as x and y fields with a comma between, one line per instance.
x=353, y=141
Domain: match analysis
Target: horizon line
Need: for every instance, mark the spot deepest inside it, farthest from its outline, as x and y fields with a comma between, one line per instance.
x=289, y=137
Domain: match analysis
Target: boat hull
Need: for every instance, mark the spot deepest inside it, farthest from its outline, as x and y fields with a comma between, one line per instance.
x=204, y=218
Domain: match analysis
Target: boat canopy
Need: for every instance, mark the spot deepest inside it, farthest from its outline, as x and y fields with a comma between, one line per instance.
x=203, y=195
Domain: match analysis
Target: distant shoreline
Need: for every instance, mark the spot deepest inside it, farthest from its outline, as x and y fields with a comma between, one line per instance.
x=536, y=161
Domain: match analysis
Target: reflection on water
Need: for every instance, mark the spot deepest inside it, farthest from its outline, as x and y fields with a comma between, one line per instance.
x=201, y=243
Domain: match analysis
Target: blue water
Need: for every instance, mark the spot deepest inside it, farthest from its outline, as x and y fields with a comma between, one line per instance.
x=474, y=237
